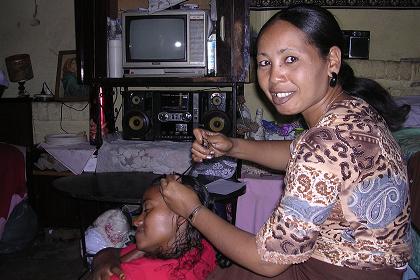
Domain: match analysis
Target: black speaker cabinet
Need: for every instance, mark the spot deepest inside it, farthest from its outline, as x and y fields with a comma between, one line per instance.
x=217, y=112
x=137, y=115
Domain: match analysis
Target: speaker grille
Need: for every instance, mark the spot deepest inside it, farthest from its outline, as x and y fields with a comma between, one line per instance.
x=138, y=116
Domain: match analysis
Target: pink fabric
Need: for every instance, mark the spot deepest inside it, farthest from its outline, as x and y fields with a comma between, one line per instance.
x=12, y=180
x=260, y=199
x=171, y=269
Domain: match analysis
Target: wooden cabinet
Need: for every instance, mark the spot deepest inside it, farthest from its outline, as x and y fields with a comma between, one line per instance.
x=232, y=41
x=232, y=55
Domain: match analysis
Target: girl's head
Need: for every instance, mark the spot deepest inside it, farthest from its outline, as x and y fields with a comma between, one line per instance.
x=162, y=233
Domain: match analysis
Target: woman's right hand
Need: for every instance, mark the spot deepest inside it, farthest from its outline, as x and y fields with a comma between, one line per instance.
x=209, y=144
x=106, y=263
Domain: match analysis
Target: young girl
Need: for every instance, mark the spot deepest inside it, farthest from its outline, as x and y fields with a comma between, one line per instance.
x=167, y=246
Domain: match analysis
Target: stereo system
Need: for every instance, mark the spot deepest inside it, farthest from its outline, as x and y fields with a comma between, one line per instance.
x=172, y=115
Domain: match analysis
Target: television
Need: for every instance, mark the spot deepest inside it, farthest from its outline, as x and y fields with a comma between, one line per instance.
x=171, y=43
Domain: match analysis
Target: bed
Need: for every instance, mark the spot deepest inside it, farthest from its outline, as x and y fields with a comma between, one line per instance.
x=16, y=141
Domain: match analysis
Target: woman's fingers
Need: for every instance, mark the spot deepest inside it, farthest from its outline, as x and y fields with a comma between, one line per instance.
x=177, y=196
x=118, y=272
x=199, y=152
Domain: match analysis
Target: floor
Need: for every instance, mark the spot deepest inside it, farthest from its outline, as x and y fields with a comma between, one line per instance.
x=54, y=254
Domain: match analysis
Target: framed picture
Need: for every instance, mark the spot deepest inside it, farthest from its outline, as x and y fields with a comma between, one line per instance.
x=67, y=88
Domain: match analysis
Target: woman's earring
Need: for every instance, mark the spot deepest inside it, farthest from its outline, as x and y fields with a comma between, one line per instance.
x=333, y=80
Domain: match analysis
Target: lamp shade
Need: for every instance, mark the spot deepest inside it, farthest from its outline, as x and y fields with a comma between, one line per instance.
x=19, y=67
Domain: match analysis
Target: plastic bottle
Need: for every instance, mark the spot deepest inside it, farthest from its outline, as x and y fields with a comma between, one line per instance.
x=114, y=50
x=211, y=55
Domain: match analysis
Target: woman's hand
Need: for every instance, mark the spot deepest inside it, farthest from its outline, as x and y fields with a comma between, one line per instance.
x=107, y=263
x=179, y=198
x=209, y=144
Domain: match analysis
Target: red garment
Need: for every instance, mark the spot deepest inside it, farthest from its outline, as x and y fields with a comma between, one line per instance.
x=12, y=176
x=173, y=269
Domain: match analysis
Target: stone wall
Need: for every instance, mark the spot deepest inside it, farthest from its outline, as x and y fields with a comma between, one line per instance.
x=56, y=117
x=399, y=78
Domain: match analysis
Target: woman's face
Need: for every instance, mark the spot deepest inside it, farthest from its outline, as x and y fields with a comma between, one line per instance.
x=157, y=224
x=290, y=70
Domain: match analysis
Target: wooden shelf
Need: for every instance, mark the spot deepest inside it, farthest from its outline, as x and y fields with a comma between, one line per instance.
x=161, y=81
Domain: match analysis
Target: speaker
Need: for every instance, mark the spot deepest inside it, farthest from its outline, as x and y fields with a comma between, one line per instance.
x=216, y=112
x=138, y=115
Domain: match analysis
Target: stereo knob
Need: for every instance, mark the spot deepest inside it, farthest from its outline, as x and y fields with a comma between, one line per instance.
x=163, y=116
x=186, y=117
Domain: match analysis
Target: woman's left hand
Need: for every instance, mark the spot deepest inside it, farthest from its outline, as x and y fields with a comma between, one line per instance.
x=179, y=198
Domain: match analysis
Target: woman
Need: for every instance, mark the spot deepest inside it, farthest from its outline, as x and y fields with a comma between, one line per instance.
x=345, y=209
x=167, y=246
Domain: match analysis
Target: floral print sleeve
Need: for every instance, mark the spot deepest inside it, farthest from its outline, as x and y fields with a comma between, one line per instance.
x=312, y=189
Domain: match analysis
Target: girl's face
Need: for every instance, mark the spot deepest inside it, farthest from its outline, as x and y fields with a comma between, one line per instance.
x=157, y=224
x=291, y=72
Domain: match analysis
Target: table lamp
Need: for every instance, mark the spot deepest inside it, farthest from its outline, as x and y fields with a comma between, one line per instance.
x=19, y=69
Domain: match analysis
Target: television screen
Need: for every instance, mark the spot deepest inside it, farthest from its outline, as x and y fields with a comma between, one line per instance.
x=170, y=43
x=157, y=39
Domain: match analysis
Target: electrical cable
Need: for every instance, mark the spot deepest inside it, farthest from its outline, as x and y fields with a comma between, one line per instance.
x=68, y=106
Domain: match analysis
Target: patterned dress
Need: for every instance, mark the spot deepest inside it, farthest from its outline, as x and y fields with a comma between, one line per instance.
x=346, y=197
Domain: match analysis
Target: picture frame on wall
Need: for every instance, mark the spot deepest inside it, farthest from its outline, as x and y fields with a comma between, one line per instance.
x=67, y=87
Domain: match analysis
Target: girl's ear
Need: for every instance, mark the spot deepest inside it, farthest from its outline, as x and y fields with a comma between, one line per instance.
x=334, y=59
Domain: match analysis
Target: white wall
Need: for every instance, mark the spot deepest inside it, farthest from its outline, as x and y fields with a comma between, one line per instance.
x=42, y=42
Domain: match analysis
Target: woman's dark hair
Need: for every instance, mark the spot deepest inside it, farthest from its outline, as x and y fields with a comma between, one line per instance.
x=191, y=238
x=324, y=32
